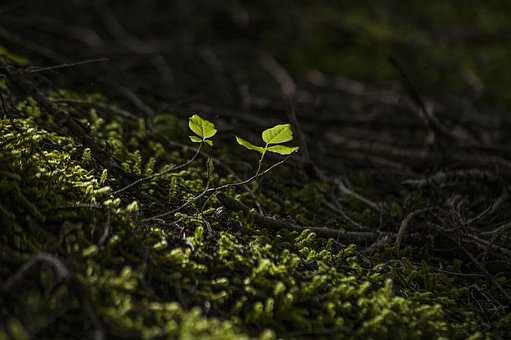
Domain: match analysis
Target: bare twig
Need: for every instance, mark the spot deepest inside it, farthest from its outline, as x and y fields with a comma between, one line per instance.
x=179, y=208
x=498, y=230
x=491, y=209
x=347, y=191
x=36, y=69
x=442, y=177
x=336, y=208
x=404, y=225
x=134, y=99
x=487, y=244
x=268, y=222
x=477, y=241
x=208, y=190
x=488, y=275
x=100, y=106
x=61, y=270
x=426, y=115
x=286, y=83
x=288, y=90
x=161, y=173
x=217, y=162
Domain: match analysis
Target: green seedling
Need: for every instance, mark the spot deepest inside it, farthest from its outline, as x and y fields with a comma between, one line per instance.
x=203, y=130
x=273, y=137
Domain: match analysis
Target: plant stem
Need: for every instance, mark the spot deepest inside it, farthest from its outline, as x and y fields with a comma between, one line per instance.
x=208, y=190
x=174, y=168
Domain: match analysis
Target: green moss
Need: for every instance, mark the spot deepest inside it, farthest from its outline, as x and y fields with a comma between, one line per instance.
x=11, y=57
x=201, y=274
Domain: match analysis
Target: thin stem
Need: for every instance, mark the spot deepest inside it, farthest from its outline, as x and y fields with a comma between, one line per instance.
x=248, y=180
x=259, y=165
x=213, y=190
x=174, y=168
x=56, y=67
x=182, y=206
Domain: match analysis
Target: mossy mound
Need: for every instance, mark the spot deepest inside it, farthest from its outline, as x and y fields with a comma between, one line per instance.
x=81, y=258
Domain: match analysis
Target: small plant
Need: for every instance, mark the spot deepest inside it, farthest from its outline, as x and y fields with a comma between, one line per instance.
x=273, y=137
x=203, y=129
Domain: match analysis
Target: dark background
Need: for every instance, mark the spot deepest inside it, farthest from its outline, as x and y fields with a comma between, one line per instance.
x=212, y=57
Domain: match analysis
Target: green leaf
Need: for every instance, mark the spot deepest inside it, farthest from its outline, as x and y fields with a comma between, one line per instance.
x=195, y=139
x=201, y=127
x=249, y=145
x=283, y=149
x=278, y=134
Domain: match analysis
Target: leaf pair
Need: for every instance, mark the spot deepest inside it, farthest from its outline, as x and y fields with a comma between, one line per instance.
x=273, y=137
x=204, y=129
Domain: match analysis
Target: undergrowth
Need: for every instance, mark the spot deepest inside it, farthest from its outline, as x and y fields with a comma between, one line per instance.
x=80, y=260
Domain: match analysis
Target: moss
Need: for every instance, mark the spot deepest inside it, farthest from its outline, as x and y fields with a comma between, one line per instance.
x=11, y=57
x=202, y=274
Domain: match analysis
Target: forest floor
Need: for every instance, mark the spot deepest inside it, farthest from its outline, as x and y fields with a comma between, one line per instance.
x=392, y=221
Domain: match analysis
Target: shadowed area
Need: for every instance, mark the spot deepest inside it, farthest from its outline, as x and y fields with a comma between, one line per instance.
x=382, y=212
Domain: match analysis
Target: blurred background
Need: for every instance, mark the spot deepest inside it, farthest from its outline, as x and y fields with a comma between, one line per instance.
x=362, y=77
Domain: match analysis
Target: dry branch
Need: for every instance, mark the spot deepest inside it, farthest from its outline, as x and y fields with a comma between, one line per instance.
x=272, y=223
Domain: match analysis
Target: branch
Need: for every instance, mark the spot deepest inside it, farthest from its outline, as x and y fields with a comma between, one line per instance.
x=269, y=222
x=347, y=191
x=404, y=225
x=208, y=190
x=161, y=173
x=61, y=270
x=442, y=177
x=426, y=115
x=288, y=90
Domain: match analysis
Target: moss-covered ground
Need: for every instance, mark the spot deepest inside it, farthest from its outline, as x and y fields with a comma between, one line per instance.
x=389, y=230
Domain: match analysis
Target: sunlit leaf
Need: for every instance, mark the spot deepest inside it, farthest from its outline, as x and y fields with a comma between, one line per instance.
x=283, y=149
x=201, y=127
x=278, y=134
x=208, y=142
x=249, y=145
x=195, y=139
